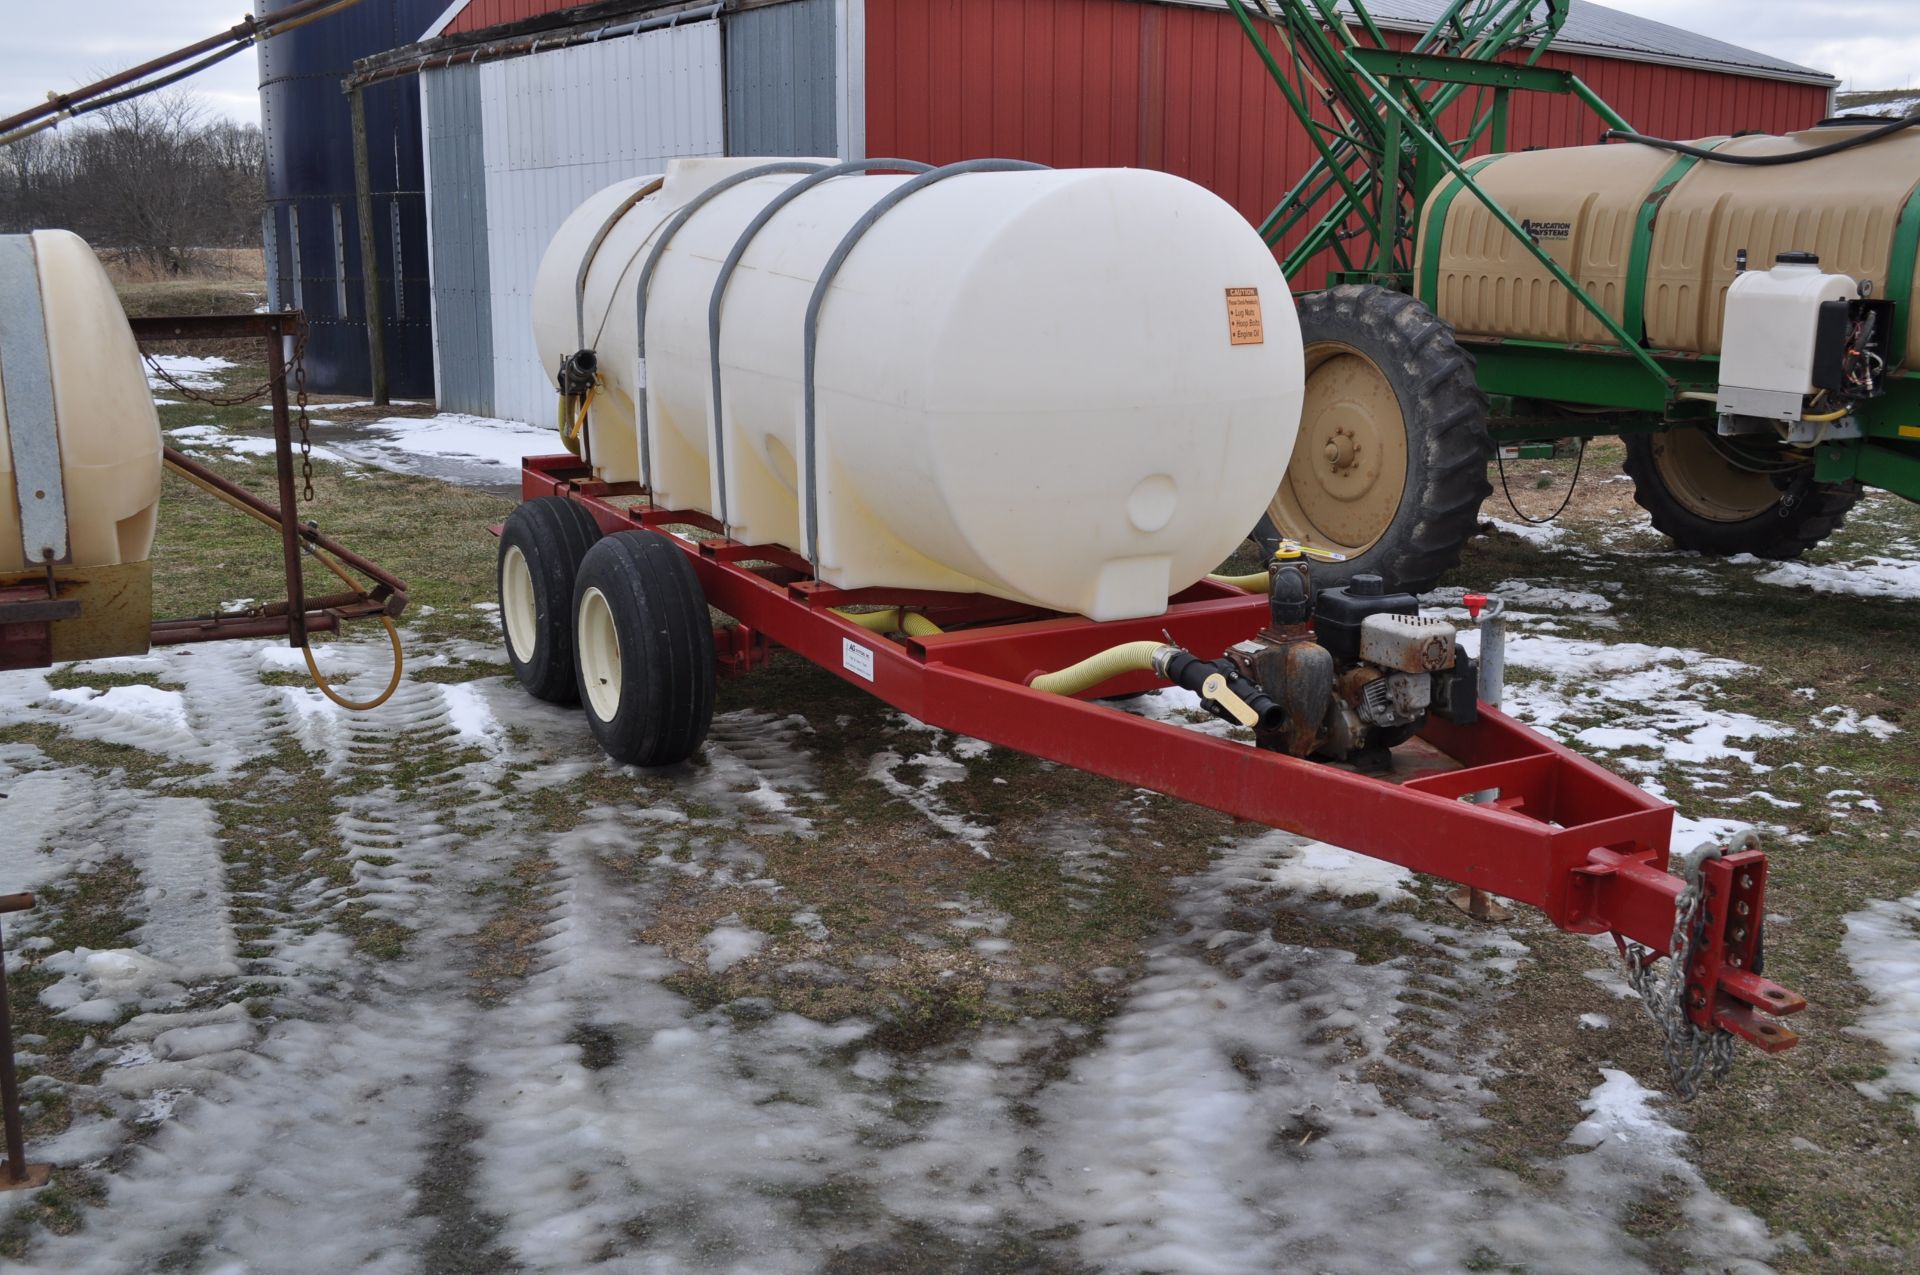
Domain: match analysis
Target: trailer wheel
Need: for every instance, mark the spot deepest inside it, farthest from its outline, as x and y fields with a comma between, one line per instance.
x=1700, y=499
x=1391, y=463
x=646, y=668
x=540, y=551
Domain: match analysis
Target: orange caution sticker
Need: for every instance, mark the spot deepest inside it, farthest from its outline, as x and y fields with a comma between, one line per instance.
x=1243, y=316
x=1910, y=431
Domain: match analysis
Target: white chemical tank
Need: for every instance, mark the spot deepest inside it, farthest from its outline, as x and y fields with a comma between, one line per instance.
x=75, y=408
x=1073, y=388
x=79, y=450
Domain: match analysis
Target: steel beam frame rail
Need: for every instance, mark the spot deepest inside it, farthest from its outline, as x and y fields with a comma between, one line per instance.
x=1559, y=833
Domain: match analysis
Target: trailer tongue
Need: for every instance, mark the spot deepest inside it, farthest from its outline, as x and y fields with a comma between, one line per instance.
x=1481, y=800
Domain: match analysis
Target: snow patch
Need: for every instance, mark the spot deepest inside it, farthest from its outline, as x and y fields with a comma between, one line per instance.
x=1883, y=946
x=189, y=371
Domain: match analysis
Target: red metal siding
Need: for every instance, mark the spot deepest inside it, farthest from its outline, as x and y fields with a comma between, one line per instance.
x=481, y=14
x=1121, y=82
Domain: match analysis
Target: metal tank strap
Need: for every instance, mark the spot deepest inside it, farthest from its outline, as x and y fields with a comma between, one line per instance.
x=667, y=233
x=810, y=350
x=33, y=434
x=593, y=253
x=746, y=238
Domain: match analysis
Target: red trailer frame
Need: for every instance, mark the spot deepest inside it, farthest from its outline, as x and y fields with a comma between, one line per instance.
x=1558, y=832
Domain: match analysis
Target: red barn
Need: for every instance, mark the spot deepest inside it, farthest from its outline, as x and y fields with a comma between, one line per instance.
x=531, y=105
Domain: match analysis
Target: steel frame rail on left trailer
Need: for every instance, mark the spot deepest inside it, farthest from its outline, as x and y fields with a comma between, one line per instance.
x=1491, y=804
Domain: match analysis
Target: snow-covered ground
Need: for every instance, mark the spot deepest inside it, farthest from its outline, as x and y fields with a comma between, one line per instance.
x=471, y=450
x=1235, y=1115
x=276, y=1099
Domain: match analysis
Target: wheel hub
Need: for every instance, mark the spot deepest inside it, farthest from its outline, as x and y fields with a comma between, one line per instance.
x=1349, y=468
x=598, y=645
x=1705, y=483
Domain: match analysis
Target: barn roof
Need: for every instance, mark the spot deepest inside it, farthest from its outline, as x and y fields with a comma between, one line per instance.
x=1591, y=29
x=1599, y=31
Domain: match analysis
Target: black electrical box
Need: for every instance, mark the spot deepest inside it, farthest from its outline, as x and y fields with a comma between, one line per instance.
x=1337, y=613
x=1845, y=334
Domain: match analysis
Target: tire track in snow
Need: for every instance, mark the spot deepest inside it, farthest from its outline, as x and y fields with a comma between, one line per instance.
x=332, y=1115
x=1227, y=1121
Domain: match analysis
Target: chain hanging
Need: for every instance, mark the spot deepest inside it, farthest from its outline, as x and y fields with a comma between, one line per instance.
x=300, y=397
x=295, y=367
x=1691, y=1051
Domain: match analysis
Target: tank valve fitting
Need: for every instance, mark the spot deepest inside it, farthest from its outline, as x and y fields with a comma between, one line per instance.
x=579, y=372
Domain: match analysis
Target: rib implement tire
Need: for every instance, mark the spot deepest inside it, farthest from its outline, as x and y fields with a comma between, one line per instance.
x=645, y=642
x=1700, y=500
x=541, y=548
x=1391, y=464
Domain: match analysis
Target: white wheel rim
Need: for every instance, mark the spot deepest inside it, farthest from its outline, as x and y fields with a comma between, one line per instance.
x=599, y=653
x=516, y=604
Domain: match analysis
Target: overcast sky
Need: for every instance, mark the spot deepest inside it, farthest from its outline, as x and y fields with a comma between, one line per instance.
x=59, y=44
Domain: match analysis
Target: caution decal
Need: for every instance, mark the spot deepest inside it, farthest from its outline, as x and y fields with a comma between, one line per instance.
x=1243, y=316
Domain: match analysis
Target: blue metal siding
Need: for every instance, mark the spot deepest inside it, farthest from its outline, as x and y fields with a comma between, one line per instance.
x=309, y=141
x=780, y=80
x=457, y=215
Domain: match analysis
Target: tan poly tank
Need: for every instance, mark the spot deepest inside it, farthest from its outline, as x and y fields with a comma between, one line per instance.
x=1583, y=202
x=1579, y=203
x=79, y=443
x=1843, y=208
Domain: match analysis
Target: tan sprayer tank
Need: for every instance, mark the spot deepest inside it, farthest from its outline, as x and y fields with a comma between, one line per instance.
x=80, y=451
x=1584, y=205
x=1580, y=205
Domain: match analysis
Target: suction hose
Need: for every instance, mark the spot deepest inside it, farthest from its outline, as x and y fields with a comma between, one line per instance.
x=1218, y=684
x=892, y=620
x=1254, y=583
x=1129, y=657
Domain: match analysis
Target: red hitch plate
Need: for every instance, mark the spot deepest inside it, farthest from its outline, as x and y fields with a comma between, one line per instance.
x=1724, y=986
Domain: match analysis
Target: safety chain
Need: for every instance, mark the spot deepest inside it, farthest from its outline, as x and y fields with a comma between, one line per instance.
x=1691, y=1051
x=300, y=396
x=295, y=367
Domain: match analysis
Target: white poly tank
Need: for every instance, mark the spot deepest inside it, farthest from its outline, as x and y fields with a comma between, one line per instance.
x=75, y=362
x=1076, y=388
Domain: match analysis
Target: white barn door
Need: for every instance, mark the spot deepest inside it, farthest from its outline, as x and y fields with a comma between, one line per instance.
x=560, y=126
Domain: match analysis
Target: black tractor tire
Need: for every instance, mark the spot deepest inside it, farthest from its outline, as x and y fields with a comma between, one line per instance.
x=1412, y=402
x=541, y=548
x=1701, y=501
x=646, y=667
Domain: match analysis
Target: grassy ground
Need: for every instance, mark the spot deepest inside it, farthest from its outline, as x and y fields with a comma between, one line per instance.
x=1789, y=1137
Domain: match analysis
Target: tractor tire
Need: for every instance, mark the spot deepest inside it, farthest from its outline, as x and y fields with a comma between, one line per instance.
x=541, y=548
x=1700, y=500
x=646, y=665
x=1390, y=467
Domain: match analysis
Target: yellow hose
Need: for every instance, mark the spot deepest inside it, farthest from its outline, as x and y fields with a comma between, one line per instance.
x=326, y=560
x=1828, y=416
x=570, y=432
x=1128, y=657
x=892, y=620
x=1255, y=583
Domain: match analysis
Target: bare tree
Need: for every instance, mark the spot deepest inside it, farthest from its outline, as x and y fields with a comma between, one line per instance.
x=151, y=178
